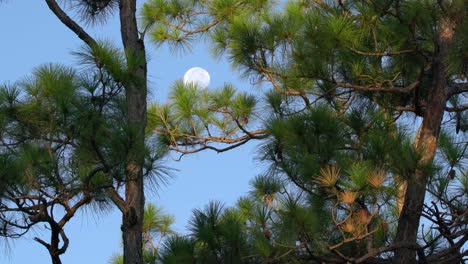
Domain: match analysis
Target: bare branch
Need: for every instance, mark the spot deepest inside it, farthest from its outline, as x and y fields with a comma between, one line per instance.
x=373, y=88
x=385, y=53
x=115, y=197
x=457, y=88
x=218, y=150
x=457, y=109
x=258, y=134
x=381, y=250
x=42, y=242
x=460, y=243
x=200, y=140
x=70, y=23
x=66, y=242
x=72, y=210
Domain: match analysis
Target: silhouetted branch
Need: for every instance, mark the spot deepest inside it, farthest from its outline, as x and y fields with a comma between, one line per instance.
x=70, y=23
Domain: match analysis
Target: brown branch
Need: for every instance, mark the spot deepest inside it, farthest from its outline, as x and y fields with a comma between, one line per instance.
x=42, y=242
x=460, y=243
x=70, y=23
x=404, y=108
x=385, y=53
x=457, y=88
x=256, y=134
x=188, y=33
x=72, y=210
x=456, y=109
x=116, y=199
x=218, y=150
x=351, y=239
x=442, y=225
x=391, y=88
x=14, y=224
x=28, y=209
x=342, y=256
x=372, y=88
x=66, y=242
x=233, y=142
x=261, y=134
x=378, y=251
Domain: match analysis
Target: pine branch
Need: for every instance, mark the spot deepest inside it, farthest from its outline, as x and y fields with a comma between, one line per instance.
x=385, y=53
x=384, y=249
x=218, y=150
x=439, y=258
x=373, y=88
x=70, y=23
x=391, y=88
x=42, y=242
x=190, y=32
x=72, y=210
x=66, y=242
x=457, y=88
x=116, y=199
x=457, y=109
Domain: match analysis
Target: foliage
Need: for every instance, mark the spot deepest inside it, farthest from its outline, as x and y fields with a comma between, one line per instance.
x=63, y=145
x=116, y=154
x=180, y=22
x=330, y=189
x=45, y=151
x=349, y=79
x=196, y=118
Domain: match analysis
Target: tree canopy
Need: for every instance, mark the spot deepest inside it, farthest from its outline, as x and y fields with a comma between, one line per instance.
x=406, y=60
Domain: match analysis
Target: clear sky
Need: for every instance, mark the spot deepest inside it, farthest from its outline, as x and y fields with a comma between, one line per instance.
x=32, y=35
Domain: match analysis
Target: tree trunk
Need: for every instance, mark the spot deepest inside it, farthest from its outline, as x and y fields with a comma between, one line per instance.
x=426, y=142
x=53, y=247
x=132, y=221
x=56, y=259
x=136, y=90
x=132, y=206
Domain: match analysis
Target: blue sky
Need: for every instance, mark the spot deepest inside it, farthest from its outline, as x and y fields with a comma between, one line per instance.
x=32, y=35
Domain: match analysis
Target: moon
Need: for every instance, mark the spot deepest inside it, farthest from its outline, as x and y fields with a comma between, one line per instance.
x=197, y=76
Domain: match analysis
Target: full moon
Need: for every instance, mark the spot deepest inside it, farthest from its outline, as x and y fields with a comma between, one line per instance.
x=198, y=76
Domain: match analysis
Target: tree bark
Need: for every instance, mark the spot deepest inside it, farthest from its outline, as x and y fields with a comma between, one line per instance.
x=136, y=92
x=54, y=246
x=426, y=142
x=56, y=259
x=54, y=250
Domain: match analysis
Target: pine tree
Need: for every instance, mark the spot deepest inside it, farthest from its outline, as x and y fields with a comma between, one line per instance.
x=128, y=70
x=408, y=58
x=49, y=123
x=330, y=195
x=64, y=146
x=132, y=203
